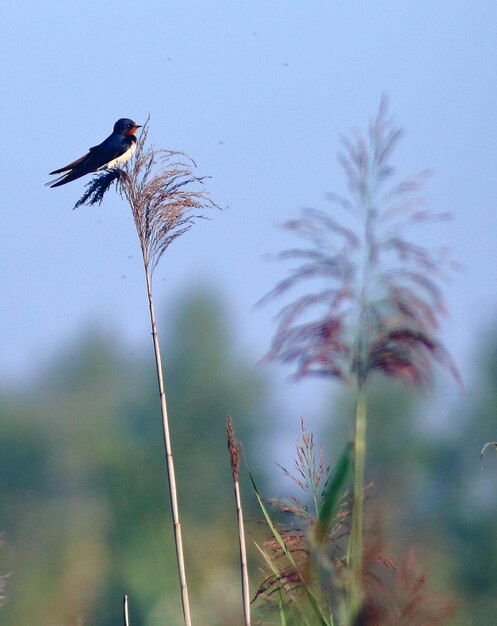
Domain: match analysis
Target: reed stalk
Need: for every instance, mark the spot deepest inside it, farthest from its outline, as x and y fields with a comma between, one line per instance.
x=125, y=611
x=234, y=454
x=158, y=187
x=357, y=531
x=171, y=475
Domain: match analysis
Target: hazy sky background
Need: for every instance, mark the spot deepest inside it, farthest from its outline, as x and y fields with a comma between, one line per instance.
x=258, y=93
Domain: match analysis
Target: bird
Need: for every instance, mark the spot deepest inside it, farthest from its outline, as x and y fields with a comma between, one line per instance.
x=116, y=149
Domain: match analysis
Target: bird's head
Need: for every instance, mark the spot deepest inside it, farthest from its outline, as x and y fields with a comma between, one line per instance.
x=125, y=126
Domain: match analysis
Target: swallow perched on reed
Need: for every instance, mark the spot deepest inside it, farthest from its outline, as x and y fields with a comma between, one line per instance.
x=117, y=148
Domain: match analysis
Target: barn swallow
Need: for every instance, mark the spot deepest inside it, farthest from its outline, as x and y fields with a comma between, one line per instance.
x=117, y=148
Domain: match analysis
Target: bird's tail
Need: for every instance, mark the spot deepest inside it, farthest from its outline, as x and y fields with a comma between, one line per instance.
x=57, y=182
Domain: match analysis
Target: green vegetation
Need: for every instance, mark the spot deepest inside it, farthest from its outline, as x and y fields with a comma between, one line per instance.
x=82, y=482
x=82, y=475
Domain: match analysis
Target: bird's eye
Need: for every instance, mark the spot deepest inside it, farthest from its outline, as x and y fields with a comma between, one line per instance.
x=130, y=125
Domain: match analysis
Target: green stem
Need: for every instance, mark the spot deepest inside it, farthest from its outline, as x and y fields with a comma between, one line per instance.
x=355, y=553
x=357, y=533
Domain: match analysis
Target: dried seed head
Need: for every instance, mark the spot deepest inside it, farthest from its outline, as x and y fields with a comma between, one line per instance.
x=234, y=448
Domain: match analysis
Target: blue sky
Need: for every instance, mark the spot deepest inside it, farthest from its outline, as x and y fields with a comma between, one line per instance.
x=258, y=94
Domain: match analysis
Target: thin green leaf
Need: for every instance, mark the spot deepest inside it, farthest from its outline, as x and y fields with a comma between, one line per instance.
x=281, y=610
x=333, y=493
x=268, y=559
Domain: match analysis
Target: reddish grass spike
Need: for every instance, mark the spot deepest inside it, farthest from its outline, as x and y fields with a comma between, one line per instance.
x=234, y=448
x=397, y=595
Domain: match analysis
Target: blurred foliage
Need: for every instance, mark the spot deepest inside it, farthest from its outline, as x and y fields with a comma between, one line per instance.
x=465, y=496
x=84, y=509
x=428, y=490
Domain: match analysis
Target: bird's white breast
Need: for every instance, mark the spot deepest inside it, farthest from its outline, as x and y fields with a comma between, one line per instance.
x=121, y=159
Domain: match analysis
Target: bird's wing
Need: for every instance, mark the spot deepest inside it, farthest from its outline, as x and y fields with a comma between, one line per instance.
x=83, y=158
x=97, y=158
x=90, y=162
x=71, y=165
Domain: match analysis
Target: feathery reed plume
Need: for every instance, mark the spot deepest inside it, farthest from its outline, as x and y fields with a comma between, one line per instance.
x=309, y=470
x=305, y=559
x=304, y=548
x=157, y=185
x=379, y=304
x=234, y=451
x=396, y=594
x=376, y=276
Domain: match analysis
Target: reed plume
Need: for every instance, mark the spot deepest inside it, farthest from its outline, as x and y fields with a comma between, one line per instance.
x=157, y=185
x=376, y=302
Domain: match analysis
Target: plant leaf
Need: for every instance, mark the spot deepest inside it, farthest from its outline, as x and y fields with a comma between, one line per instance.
x=281, y=610
x=332, y=493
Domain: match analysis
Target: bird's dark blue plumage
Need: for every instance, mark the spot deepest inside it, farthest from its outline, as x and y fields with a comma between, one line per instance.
x=117, y=148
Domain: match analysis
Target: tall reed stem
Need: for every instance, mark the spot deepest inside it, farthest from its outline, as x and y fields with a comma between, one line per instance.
x=234, y=451
x=243, y=556
x=357, y=531
x=356, y=537
x=167, y=444
x=125, y=610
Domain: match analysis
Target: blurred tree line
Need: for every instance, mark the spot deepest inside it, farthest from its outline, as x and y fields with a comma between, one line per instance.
x=84, y=508
x=83, y=500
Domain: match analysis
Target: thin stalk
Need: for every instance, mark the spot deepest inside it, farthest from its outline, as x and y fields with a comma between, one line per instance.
x=357, y=532
x=243, y=556
x=234, y=451
x=168, y=449
x=125, y=611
